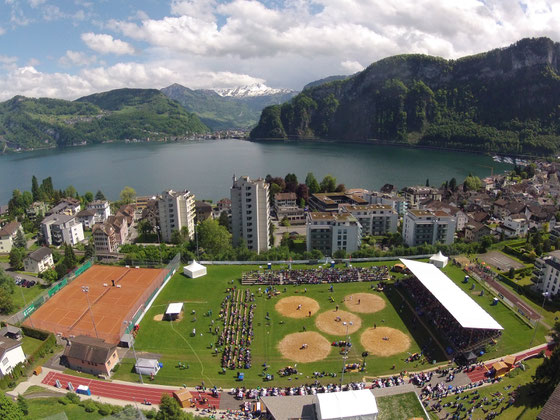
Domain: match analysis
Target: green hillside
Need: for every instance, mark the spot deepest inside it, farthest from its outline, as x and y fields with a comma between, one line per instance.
x=117, y=115
x=503, y=101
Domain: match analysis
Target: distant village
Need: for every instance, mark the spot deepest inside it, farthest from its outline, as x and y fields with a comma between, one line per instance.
x=260, y=214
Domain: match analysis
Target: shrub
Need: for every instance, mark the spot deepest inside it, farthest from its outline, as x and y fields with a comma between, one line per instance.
x=90, y=406
x=72, y=398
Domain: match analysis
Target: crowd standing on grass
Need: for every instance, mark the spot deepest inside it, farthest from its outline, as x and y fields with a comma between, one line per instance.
x=237, y=312
x=317, y=275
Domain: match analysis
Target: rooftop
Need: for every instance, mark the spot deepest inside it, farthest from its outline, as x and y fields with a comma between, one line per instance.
x=39, y=254
x=10, y=229
x=89, y=349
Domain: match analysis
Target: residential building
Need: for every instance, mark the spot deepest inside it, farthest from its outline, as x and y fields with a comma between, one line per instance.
x=11, y=354
x=425, y=226
x=450, y=209
x=142, y=202
x=105, y=238
x=3, y=210
x=547, y=273
x=68, y=206
x=375, y=219
x=101, y=209
x=86, y=218
x=475, y=231
x=8, y=234
x=322, y=202
x=57, y=229
x=120, y=225
x=329, y=232
x=9, y=331
x=176, y=210
x=37, y=210
x=250, y=213
x=39, y=260
x=128, y=211
x=514, y=226
x=415, y=195
x=151, y=213
x=91, y=355
x=285, y=207
x=398, y=203
x=203, y=211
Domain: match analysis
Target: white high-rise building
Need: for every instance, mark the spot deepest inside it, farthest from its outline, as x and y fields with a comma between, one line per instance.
x=250, y=213
x=176, y=210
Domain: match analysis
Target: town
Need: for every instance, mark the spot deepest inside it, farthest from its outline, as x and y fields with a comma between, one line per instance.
x=496, y=239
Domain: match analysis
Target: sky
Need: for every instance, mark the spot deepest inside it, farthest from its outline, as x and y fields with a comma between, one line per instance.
x=71, y=48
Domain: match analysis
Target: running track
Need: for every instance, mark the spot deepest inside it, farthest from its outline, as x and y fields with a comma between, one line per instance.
x=480, y=372
x=121, y=391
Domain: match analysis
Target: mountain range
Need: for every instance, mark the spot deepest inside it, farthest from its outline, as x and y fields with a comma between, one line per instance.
x=237, y=108
x=503, y=101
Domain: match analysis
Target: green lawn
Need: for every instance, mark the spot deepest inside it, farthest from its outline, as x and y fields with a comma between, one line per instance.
x=398, y=407
x=29, y=293
x=524, y=407
x=30, y=344
x=43, y=407
x=174, y=341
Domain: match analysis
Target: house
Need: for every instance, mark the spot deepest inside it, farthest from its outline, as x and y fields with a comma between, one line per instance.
x=119, y=223
x=9, y=331
x=151, y=212
x=514, y=226
x=68, y=206
x=474, y=231
x=36, y=210
x=415, y=195
x=329, y=232
x=11, y=354
x=91, y=355
x=285, y=206
x=105, y=238
x=39, y=260
x=128, y=211
x=203, y=211
x=324, y=202
x=57, y=229
x=101, y=210
x=8, y=234
x=425, y=226
x=86, y=218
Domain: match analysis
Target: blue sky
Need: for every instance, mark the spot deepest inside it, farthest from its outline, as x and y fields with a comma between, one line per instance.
x=70, y=48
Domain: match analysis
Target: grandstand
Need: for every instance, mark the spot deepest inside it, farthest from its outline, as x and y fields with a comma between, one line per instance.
x=454, y=314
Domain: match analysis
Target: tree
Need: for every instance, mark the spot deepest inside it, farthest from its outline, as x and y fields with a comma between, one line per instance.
x=213, y=237
x=453, y=184
x=89, y=250
x=340, y=188
x=127, y=195
x=69, y=256
x=70, y=191
x=312, y=183
x=472, y=183
x=169, y=409
x=16, y=258
x=145, y=227
x=35, y=190
x=273, y=190
x=224, y=220
x=427, y=182
x=20, y=241
x=328, y=184
x=50, y=275
x=88, y=197
x=180, y=236
x=340, y=253
x=291, y=182
x=22, y=404
x=547, y=375
x=511, y=272
x=99, y=195
x=302, y=193
x=6, y=304
x=8, y=409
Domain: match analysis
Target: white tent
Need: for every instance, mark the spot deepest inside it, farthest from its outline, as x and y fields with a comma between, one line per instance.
x=439, y=260
x=173, y=310
x=194, y=270
x=347, y=405
x=460, y=305
x=147, y=366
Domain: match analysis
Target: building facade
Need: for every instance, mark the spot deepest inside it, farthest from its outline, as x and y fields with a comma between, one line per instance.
x=8, y=234
x=39, y=260
x=415, y=195
x=547, y=273
x=176, y=210
x=425, y=226
x=329, y=232
x=101, y=208
x=250, y=213
x=58, y=229
x=375, y=219
x=11, y=354
x=285, y=207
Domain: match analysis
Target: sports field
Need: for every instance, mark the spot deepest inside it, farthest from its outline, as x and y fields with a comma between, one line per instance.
x=389, y=331
x=67, y=312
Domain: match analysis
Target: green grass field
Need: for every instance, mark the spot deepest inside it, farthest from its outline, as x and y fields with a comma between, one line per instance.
x=398, y=407
x=175, y=343
x=29, y=294
x=524, y=407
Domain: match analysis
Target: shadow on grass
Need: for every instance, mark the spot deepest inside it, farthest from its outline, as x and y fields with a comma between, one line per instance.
x=415, y=328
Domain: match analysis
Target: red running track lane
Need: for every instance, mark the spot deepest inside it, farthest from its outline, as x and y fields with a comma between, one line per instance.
x=108, y=389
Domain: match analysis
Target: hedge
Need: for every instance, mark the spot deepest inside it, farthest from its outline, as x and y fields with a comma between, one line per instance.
x=35, y=333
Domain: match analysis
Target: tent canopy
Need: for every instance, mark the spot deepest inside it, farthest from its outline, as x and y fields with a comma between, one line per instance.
x=174, y=308
x=147, y=363
x=460, y=305
x=351, y=405
x=194, y=270
x=438, y=257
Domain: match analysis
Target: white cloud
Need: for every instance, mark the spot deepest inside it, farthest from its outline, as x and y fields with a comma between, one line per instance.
x=35, y=3
x=105, y=44
x=8, y=62
x=77, y=58
x=2, y=31
x=33, y=62
x=351, y=67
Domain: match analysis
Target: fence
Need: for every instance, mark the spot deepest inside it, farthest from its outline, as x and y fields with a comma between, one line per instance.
x=24, y=313
x=344, y=260
x=146, y=300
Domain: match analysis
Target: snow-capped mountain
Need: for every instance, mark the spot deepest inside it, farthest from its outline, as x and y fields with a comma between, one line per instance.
x=258, y=89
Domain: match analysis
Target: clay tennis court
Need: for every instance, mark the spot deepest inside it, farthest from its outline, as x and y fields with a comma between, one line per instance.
x=67, y=312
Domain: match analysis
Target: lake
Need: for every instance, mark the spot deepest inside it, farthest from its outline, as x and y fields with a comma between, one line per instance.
x=206, y=167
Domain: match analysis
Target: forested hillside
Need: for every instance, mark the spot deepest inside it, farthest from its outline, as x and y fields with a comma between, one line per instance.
x=111, y=116
x=503, y=101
